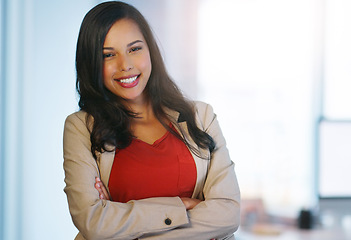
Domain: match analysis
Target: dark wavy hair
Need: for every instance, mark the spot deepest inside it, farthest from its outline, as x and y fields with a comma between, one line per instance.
x=111, y=119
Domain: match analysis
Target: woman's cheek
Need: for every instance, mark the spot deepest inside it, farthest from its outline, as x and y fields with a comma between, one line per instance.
x=107, y=72
x=145, y=63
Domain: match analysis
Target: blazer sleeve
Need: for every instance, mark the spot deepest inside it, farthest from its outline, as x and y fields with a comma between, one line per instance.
x=101, y=219
x=218, y=216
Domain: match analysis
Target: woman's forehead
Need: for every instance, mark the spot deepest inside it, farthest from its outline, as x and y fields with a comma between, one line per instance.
x=124, y=31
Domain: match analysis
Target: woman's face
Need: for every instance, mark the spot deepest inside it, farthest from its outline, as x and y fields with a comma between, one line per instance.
x=127, y=63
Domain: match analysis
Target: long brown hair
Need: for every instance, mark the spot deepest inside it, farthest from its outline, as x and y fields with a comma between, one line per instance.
x=111, y=119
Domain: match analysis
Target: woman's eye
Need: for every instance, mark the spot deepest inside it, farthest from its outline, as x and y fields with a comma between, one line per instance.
x=107, y=55
x=134, y=49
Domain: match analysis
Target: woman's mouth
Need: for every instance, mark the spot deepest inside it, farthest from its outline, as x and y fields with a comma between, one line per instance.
x=129, y=82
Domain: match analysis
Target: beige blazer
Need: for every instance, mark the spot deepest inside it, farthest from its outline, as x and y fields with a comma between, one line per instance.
x=153, y=218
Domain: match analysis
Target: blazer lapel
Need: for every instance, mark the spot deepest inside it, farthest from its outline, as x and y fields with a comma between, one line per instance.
x=105, y=165
x=202, y=163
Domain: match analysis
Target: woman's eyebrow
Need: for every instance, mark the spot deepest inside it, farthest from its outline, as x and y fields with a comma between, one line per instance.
x=128, y=45
x=134, y=42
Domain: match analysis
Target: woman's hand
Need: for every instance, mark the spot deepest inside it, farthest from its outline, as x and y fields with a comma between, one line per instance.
x=190, y=203
x=103, y=194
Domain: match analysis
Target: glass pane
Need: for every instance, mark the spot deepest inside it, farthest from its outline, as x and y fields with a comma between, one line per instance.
x=334, y=159
x=337, y=65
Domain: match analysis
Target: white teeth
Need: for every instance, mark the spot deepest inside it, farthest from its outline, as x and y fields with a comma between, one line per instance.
x=128, y=80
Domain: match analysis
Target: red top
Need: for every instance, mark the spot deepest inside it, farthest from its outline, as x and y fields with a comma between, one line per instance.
x=165, y=168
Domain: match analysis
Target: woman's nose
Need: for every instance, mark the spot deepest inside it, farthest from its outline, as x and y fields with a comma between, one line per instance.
x=125, y=64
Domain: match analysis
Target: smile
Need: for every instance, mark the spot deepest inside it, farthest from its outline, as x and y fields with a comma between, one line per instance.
x=128, y=80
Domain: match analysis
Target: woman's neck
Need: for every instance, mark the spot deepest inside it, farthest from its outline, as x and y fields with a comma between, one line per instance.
x=143, y=109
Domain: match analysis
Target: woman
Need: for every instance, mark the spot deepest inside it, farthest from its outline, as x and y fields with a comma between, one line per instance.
x=140, y=161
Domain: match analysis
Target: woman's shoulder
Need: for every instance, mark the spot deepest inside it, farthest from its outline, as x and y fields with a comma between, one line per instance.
x=77, y=116
x=204, y=112
x=203, y=108
x=78, y=122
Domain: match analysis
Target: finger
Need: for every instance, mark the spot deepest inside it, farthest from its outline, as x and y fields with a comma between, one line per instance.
x=102, y=189
x=105, y=192
x=99, y=187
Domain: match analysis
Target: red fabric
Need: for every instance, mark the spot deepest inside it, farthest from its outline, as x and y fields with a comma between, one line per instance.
x=165, y=168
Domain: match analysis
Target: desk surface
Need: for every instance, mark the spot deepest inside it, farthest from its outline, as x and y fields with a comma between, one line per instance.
x=294, y=234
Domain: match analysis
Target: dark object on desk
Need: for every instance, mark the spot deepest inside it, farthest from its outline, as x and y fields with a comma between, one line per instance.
x=305, y=219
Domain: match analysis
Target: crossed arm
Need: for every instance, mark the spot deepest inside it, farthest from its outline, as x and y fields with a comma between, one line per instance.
x=189, y=203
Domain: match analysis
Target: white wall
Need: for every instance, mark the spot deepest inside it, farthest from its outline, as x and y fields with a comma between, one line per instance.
x=2, y=85
x=39, y=88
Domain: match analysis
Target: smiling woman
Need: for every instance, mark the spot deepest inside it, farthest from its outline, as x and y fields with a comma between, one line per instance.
x=138, y=153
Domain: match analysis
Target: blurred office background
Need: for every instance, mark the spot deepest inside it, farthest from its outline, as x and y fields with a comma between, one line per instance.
x=277, y=73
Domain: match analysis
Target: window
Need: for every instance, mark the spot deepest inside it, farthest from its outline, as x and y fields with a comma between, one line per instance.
x=335, y=126
x=257, y=67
